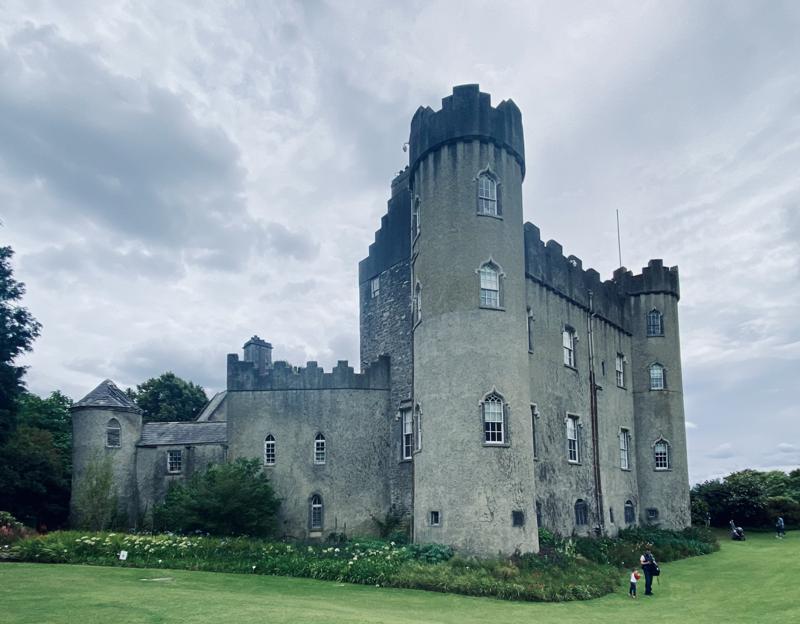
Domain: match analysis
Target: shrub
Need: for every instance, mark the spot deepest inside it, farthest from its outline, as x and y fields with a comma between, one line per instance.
x=226, y=499
x=11, y=530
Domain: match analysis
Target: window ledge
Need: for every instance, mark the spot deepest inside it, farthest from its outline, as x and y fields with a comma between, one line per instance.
x=496, y=444
x=497, y=308
x=491, y=216
x=655, y=335
x=622, y=387
x=269, y=465
x=572, y=368
x=406, y=460
x=530, y=351
x=662, y=469
x=626, y=469
x=573, y=463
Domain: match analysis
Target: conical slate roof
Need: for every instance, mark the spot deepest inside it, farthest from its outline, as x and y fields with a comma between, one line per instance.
x=107, y=396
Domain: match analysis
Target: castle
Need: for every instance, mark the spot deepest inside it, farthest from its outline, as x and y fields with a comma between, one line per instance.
x=503, y=387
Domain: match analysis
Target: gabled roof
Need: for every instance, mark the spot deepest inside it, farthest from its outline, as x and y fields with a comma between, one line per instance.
x=162, y=433
x=107, y=396
x=211, y=407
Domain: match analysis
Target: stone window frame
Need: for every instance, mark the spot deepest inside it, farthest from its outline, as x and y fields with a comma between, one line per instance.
x=624, y=448
x=569, y=339
x=662, y=457
x=270, y=450
x=619, y=369
x=320, y=449
x=416, y=215
x=630, y=512
x=483, y=194
x=657, y=382
x=435, y=518
x=654, y=323
x=113, y=433
x=573, y=450
x=493, y=397
x=483, y=271
x=581, y=509
x=174, y=461
x=375, y=287
x=316, y=512
x=406, y=434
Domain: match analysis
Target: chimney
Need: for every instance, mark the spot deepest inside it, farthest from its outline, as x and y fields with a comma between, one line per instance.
x=259, y=352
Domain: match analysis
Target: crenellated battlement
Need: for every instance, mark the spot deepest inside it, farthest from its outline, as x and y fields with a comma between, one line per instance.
x=243, y=375
x=467, y=114
x=565, y=275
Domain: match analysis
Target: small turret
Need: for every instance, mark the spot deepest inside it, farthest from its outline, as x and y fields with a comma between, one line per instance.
x=259, y=352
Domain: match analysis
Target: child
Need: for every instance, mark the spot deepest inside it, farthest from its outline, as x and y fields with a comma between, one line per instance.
x=635, y=576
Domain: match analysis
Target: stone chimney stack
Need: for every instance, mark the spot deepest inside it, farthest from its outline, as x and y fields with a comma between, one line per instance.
x=259, y=352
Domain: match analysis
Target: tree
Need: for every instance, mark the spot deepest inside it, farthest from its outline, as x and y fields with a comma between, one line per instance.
x=51, y=414
x=168, y=398
x=18, y=330
x=226, y=499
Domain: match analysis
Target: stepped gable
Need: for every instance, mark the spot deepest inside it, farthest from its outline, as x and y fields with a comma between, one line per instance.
x=164, y=433
x=244, y=376
x=393, y=239
x=467, y=114
x=546, y=264
x=107, y=396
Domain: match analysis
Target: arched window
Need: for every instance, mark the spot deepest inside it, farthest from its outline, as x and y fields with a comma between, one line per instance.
x=581, y=512
x=319, y=449
x=415, y=222
x=630, y=512
x=269, y=450
x=416, y=304
x=315, y=513
x=113, y=433
x=491, y=282
x=655, y=323
x=661, y=454
x=493, y=408
x=658, y=379
x=487, y=195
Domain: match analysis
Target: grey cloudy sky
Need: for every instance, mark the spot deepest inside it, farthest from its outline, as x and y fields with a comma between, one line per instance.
x=175, y=178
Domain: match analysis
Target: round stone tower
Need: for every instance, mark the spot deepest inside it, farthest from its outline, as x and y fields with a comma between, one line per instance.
x=659, y=429
x=473, y=466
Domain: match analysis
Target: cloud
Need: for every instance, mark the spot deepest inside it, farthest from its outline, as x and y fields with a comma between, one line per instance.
x=690, y=425
x=786, y=448
x=723, y=451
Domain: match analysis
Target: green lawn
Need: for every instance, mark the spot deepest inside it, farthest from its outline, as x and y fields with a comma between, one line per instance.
x=754, y=581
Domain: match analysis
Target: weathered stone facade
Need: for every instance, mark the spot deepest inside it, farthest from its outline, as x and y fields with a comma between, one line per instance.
x=504, y=387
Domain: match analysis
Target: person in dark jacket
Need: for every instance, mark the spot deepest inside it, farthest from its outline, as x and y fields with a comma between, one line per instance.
x=648, y=567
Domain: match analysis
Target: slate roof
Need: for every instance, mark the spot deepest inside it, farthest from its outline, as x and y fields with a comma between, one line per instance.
x=211, y=406
x=161, y=433
x=107, y=396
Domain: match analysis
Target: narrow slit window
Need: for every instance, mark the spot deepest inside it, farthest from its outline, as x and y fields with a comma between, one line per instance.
x=315, y=512
x=573, y=451
x=624, y=449
x=568, y=344
x=620, y=370
x=408, y=434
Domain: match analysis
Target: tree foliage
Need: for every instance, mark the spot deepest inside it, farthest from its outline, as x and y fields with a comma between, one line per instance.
x=18, y=330
x=226, y=499
x=750, y=498
x=168, y=398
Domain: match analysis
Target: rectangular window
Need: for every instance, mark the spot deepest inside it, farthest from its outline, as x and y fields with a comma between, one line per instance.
x=568, y=342
x=573, y=454
x=174, y=461
x=624, y=449
x=490, y=287
x=408, y=434
x=269, y=452
x=661, y=451
x=517, y=518
x=493, y=421
x=620, y=367
x=375, y=286
x=656, y=377
x=652, y=514
x=435, y=518
x=534, y=416
x=611, y=514
x=319, y=449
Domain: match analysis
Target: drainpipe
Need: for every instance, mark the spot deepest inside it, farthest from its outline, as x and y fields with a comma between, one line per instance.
x=598, y=486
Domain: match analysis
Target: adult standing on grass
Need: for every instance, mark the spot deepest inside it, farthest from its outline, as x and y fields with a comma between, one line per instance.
x=780, y=528
x=648, y=567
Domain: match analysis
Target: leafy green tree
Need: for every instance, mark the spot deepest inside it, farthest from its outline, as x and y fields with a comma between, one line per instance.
x=168, y=398
x=51, y=414
x=715, y=494
x=747, y=498
x=18, y=330
x=226, y=499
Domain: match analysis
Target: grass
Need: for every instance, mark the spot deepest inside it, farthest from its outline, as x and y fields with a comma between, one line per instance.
x=753, y=581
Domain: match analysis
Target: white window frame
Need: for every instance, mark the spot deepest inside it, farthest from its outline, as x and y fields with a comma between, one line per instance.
x=316, y=512
x=573, y=439
x=620, y=370
x=490, y=286
x=320, y=449
x=375, y=287
x=493, y=415
x=113, y=429
x=175, y=461
x=662, y=455
x=488, y=196
x=658, y=376
x=624, y=449
x=269, y=450
x=568, y=345
x=655, y=323
x=407, y=433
